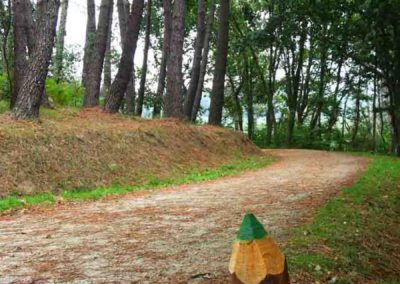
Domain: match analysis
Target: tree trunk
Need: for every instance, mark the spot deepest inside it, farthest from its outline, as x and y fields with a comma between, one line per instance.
x=22, y=29
x=130, y=94
x=29, y=96
x=95, y=65
x=374, y=114
x=293, y=99
x=321, y=87
x=142, y=86
x=217, y=93
x=204, y=62
x=173, y=99
x=271, y=123
x=123, y=15
x=90, y=35
x=395, y=118
x=107, y=61
x=167, y=4
x=195, y=73
x=124, y=74
x=238, y=106
x=59, y=58
x=357, y=118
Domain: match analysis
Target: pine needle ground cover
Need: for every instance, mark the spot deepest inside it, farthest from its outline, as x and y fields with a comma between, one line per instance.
x=89, y=155
x=355, y=238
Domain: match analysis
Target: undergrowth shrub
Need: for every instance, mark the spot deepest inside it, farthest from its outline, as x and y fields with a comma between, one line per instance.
x=65, y=93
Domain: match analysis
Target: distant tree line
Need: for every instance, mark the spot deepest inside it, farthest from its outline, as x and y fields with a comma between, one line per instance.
x=318, y=74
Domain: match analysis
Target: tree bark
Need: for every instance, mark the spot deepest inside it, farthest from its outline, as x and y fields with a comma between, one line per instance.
x=195, y=73
x=217, y=93
x=238, y=106
x=59, y=58
x=374, y=116
x=107, y=61
x=95, y=65
x=90, y=35
x=204, y=62
x=292, y=100
x=167, y=5
x=173, y=99
x=23, y=43
x=123, y=15
x=29, y=96
x=357, y=118
x=142, y=87
x=321, y=88
x=130, y=95
x=120, y=83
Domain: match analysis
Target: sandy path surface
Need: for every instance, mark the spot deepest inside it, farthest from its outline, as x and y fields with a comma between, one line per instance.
x=176, y=235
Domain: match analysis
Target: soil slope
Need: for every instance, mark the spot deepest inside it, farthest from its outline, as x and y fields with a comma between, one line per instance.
x=89, y=149
x=177, y=235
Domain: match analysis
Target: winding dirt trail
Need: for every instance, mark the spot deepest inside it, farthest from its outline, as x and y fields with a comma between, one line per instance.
x=177, y=235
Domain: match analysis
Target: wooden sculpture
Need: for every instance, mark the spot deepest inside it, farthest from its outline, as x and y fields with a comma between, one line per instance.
x=256, y=258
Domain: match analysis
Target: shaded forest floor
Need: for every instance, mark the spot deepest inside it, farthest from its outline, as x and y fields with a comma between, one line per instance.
x=181, y=234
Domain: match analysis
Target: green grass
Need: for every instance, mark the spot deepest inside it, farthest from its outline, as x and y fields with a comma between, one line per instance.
x=4, y=106
x=356, y=237
x=81, y=194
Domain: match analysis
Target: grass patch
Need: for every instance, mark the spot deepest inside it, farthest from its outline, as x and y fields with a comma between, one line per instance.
x=80, y=194
x=4, y=106
x=355, y=238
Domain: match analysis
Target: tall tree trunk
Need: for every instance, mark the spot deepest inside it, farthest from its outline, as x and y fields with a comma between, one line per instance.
x=217, y=93
x=124, y=74
x=107, y=61
x=344, y=114
x=321, y=88
x=303, y=102
x=270, y=117
x=90, y=35
x=142, y=86
x=238, y=106
x=31, y=91
x=130, y=95
x=95, y=65
x=248, y=82
x=123, y=16
x=195, y=73
x=204, y=62
x=293, y=99
x=374, y=114
x=173, y=99
x=357, y=118
x=59, y=58
x=167, y=5
x=22, y=30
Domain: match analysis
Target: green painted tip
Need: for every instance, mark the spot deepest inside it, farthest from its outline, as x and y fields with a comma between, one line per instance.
x=251, y=229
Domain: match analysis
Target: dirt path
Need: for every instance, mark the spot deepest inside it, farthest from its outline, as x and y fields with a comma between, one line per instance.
x=172, y=235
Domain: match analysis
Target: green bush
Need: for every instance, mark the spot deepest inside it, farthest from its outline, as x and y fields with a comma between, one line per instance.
x=64, y=94
x=4, y=88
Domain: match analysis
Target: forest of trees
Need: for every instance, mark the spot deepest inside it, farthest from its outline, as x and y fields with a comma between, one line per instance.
x=307, y=73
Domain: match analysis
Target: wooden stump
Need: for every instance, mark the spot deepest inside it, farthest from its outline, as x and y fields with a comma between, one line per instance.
x=256, y=258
